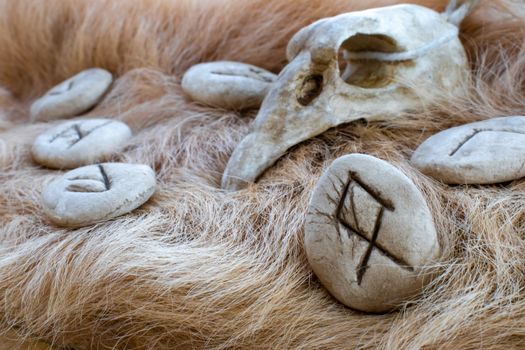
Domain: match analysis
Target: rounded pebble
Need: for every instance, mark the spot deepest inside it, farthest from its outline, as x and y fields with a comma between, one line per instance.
x=369, y=234
x=73, y=96
x=228, y=84
x=95, y=193
x=485, y=152
x=80, y=142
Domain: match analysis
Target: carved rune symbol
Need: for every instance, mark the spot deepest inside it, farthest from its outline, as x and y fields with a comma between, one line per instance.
x=60, y=89
x=349, y=218
x=477, y=132
x=253, y=74
x=75, y=133
x=91, y=182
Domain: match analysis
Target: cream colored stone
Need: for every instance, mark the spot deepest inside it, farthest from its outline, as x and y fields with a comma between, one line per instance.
x=80, y=142
x=369, y=234
x=399, y=58
x=485, y=152
x=73, y=96
x=228, y=84
x=96, y=193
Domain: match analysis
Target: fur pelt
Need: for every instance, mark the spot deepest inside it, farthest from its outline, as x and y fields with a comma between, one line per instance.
x=197, y=267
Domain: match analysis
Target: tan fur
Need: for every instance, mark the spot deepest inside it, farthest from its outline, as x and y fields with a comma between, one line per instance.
x=201, y=268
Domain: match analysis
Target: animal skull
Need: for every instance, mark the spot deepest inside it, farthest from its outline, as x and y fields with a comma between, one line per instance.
x=398, y=58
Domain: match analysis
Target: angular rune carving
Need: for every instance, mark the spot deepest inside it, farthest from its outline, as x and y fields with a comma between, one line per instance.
x=61, y=90
x=354, y=184
x=89, y=183
x=75, y=133
x=257, y=75
x=477, y=132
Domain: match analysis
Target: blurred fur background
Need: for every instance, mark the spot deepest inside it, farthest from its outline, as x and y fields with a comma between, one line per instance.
x=199, y=268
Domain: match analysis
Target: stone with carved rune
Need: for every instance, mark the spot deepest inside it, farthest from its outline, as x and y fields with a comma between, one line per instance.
x=80, y=142
x=95, y=193
x=228, y=84
x=73, y=96
x=486, y=152
x=369, y=234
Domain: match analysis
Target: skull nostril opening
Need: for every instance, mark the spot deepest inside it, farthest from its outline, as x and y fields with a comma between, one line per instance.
x=367, y=73
x=310, y=89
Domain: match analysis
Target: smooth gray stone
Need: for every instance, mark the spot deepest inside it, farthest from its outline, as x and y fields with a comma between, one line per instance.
x=80, y=142
x=228, y=84
x=369, y=234
x=73, y=96
x=485, y=152
x=95, y=193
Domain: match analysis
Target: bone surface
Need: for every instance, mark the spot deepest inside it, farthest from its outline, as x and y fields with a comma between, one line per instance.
x=95, y=193
x=228, y=84
x=485, y=152
x=73, y=96
x=80, y=142
x=399, y=58
x=369, y=234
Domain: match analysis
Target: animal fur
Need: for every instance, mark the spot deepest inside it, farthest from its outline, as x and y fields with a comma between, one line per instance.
x=197, y=267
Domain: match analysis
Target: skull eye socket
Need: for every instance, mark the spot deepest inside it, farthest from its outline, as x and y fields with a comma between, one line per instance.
x=367, y=73
x=311, y=88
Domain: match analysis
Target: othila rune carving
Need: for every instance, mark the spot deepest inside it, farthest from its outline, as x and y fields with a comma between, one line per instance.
x=354, y=184
x=369, y=234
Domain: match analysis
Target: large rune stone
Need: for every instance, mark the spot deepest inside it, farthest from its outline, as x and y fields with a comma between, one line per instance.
x=228, y=84
x=73, y=96
x=96, y=193
x=369, y=234
x=485, y=152
x=80, y=142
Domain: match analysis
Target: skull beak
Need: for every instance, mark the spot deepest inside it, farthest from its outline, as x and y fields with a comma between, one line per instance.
x=251, y=158
x=290, y=114
x=390, y=69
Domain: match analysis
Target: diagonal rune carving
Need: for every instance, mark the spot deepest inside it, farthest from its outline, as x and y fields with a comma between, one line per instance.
x=76, y=130
x=102, y=180
x=355, y=180
x=477, y=132
x=257, y=75
x=59, y=92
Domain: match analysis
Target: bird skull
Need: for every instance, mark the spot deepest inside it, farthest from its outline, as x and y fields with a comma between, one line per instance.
x=398, y=59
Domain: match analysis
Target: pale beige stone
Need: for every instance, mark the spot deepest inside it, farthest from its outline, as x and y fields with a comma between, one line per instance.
x=369, y=234
x=485, y=152
x=399, y=58
x=80, y=142
x=228, y=84
x=73, y=96
x=96, y=193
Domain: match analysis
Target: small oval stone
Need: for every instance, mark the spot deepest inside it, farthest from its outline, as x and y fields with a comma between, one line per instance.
x=73, y=96
x=485, y=152
x=228, y=84
x=80, y=142
x=369, y=234
x=95, y=193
